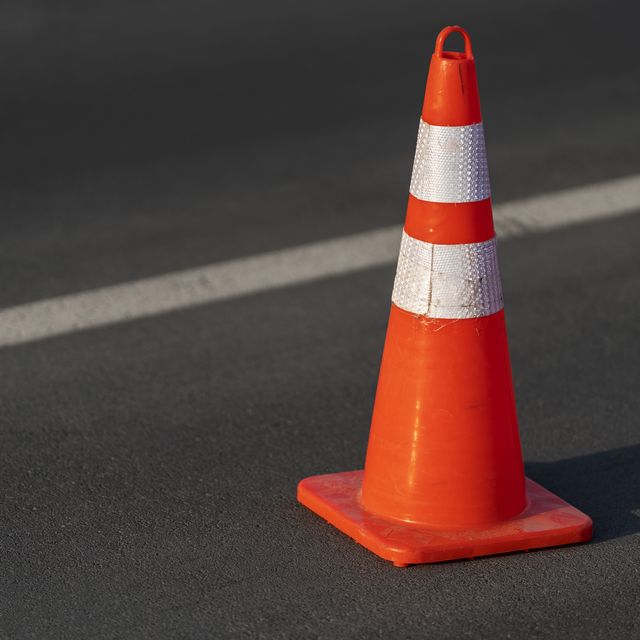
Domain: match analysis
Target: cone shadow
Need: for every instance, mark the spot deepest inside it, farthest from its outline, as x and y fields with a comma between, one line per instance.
x=604, y=485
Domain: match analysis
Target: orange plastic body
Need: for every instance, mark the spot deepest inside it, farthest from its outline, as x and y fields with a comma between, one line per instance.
x=449, y=222
x=443, y=477
x=444, y=447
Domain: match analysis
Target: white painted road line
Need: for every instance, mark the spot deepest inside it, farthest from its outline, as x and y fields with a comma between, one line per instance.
x=571, y=206
x=235, y=278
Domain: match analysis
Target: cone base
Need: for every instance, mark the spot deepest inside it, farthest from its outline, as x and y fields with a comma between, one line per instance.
x=548, y=521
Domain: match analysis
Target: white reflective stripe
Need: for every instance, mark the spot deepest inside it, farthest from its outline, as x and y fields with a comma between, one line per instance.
x=448, y=280
x=450, y=164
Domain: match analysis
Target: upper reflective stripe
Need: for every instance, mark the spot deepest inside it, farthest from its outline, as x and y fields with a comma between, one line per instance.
x=448, y=280
x=450, y=164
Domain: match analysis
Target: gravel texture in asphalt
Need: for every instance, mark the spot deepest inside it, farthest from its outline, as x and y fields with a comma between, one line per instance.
x=148, y=469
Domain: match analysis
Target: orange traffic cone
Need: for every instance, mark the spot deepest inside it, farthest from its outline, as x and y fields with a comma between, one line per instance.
x=443, y=477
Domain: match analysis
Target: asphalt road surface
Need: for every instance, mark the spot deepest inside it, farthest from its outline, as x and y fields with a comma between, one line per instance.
x=148, y=468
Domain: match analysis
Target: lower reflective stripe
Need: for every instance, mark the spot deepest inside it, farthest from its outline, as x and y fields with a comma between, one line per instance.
x=450, y=164
x=448, y=280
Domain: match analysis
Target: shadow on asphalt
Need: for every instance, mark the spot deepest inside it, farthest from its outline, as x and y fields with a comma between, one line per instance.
x=601, y=484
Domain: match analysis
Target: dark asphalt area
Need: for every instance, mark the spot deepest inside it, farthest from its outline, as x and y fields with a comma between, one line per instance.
x=148, y=469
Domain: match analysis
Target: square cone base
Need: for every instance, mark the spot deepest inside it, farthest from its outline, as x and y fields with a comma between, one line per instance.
x=548, y=521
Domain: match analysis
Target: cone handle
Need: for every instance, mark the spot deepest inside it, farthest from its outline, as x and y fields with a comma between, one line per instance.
x=445, y=33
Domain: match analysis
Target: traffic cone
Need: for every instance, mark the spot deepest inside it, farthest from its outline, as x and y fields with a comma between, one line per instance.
x=443, y=477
